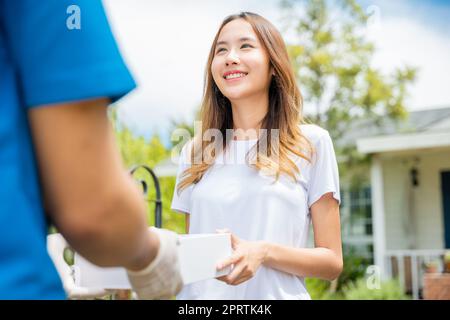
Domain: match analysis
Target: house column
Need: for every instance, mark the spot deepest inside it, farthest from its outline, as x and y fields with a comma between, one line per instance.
x=378, y=218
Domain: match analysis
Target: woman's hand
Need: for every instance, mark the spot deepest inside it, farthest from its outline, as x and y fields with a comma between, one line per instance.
x=246, y=258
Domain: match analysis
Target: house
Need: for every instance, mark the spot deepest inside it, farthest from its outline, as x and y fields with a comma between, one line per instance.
x=410, y=193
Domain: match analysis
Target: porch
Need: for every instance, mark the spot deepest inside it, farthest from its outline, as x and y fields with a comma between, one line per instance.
x=410, y=179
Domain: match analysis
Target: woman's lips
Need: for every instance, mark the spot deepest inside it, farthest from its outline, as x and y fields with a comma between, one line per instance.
x=235, y=76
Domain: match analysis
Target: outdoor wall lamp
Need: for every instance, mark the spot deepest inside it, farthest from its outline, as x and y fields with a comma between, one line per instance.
x=414, y=176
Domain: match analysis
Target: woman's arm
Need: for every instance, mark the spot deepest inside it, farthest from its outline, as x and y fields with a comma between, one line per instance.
x=324, y=261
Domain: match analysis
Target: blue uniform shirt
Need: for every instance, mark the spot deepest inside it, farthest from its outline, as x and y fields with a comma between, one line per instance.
x=43, y=61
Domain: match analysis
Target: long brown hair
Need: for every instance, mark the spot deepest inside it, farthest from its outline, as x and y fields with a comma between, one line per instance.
x=284, y=114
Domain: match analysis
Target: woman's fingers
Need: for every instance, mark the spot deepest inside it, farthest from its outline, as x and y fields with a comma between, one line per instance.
x=241, y=280
x=231, y=260
x=235, y=241
x=223, y=278
x=235, y=274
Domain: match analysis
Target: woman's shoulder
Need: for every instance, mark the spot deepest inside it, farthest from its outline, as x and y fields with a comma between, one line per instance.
x=313, y=132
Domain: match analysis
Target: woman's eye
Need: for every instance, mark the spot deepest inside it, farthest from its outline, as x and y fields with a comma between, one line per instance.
x=246, y=45
x=220, y=50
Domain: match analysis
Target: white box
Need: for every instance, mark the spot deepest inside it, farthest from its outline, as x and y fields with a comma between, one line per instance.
x=198, y=253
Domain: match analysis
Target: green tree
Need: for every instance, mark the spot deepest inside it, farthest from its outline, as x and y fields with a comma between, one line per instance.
x=332, y=60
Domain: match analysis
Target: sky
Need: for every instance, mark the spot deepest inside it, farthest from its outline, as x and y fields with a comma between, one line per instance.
x=166, y=43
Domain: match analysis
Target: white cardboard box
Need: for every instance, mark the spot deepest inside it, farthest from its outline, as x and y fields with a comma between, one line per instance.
x=198, y=253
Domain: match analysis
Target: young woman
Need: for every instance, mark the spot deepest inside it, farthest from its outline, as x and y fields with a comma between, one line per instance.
x=264, y=190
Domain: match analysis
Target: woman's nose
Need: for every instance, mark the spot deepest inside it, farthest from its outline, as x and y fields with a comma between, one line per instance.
x=232, y=58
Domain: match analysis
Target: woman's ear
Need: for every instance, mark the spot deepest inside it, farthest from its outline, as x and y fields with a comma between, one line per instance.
x=272, y=71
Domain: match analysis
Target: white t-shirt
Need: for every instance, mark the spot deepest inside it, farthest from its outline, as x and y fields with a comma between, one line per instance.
x=235, y=196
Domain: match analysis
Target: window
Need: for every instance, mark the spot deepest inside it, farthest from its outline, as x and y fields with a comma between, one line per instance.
x=356, y=220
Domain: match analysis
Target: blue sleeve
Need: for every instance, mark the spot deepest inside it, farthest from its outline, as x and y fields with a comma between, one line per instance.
x=55, y=63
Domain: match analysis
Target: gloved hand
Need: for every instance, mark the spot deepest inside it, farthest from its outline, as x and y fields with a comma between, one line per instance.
x=161, y=279
x=55, y=247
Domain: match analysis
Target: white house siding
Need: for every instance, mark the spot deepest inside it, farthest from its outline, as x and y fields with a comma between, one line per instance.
x=425, y=230
x=394, y=177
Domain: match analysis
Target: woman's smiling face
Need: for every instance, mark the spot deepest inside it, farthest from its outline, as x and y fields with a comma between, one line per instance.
x=240, y=67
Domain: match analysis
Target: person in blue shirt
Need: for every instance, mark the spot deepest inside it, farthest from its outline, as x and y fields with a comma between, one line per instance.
x=58, y=159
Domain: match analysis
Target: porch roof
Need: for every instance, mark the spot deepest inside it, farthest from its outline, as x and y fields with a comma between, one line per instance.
x=404, y=142
x=423, y=129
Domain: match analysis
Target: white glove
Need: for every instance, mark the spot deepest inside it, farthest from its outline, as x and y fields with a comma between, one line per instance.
x=162, y=278
x=56, y=245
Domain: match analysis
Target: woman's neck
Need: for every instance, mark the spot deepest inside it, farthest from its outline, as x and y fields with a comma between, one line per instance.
x=248, y=115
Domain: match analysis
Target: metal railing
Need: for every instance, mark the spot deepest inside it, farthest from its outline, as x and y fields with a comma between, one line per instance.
x=409, y=267
x=144, y=184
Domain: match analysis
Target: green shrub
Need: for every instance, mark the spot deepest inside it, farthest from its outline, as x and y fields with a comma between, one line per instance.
x=319, y=289
x=389, y=290
x=355, y=266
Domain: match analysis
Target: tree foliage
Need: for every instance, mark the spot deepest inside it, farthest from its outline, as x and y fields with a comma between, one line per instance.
x=332, y=58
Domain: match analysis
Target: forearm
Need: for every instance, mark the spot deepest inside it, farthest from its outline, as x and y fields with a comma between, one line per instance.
x=114, y=232
x=124, y=238
x=304, y=262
